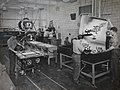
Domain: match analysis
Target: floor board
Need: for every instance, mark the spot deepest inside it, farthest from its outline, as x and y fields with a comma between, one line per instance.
x=51, y=77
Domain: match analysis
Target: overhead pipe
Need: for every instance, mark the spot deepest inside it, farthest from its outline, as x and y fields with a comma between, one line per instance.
x=92, y=7
x=95, y=8
x=99, y=9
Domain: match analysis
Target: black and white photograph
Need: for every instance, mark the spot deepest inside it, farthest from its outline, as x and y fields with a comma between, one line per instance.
x=59, y=44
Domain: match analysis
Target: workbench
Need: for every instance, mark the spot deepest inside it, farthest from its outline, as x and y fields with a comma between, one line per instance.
x=93, y=65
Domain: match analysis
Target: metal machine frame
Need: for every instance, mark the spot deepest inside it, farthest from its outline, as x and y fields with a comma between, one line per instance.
x=93, y=75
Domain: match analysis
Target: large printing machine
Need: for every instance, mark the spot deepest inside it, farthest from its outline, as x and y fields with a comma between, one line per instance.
x=29, y=57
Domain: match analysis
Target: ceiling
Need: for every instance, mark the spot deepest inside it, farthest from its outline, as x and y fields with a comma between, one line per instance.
x=30, y=4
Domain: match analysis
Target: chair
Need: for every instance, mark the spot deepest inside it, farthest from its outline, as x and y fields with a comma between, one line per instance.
x=52, y=55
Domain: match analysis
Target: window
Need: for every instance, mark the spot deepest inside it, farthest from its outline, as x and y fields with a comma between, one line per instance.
x=85, y=9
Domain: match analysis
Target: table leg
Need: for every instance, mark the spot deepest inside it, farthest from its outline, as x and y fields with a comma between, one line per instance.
x=93, y=74
x=60, y=60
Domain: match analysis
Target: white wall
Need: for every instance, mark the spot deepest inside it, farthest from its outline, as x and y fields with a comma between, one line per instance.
x=111, y=10
x=63, y=20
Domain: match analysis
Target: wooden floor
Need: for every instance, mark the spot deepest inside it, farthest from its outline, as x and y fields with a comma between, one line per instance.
x=51, y=77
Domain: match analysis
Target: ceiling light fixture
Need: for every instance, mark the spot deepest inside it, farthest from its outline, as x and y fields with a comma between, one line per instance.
x=69, y=1
x=4, y=8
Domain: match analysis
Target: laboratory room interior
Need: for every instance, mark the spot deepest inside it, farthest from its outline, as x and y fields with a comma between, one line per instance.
x=59, y=45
